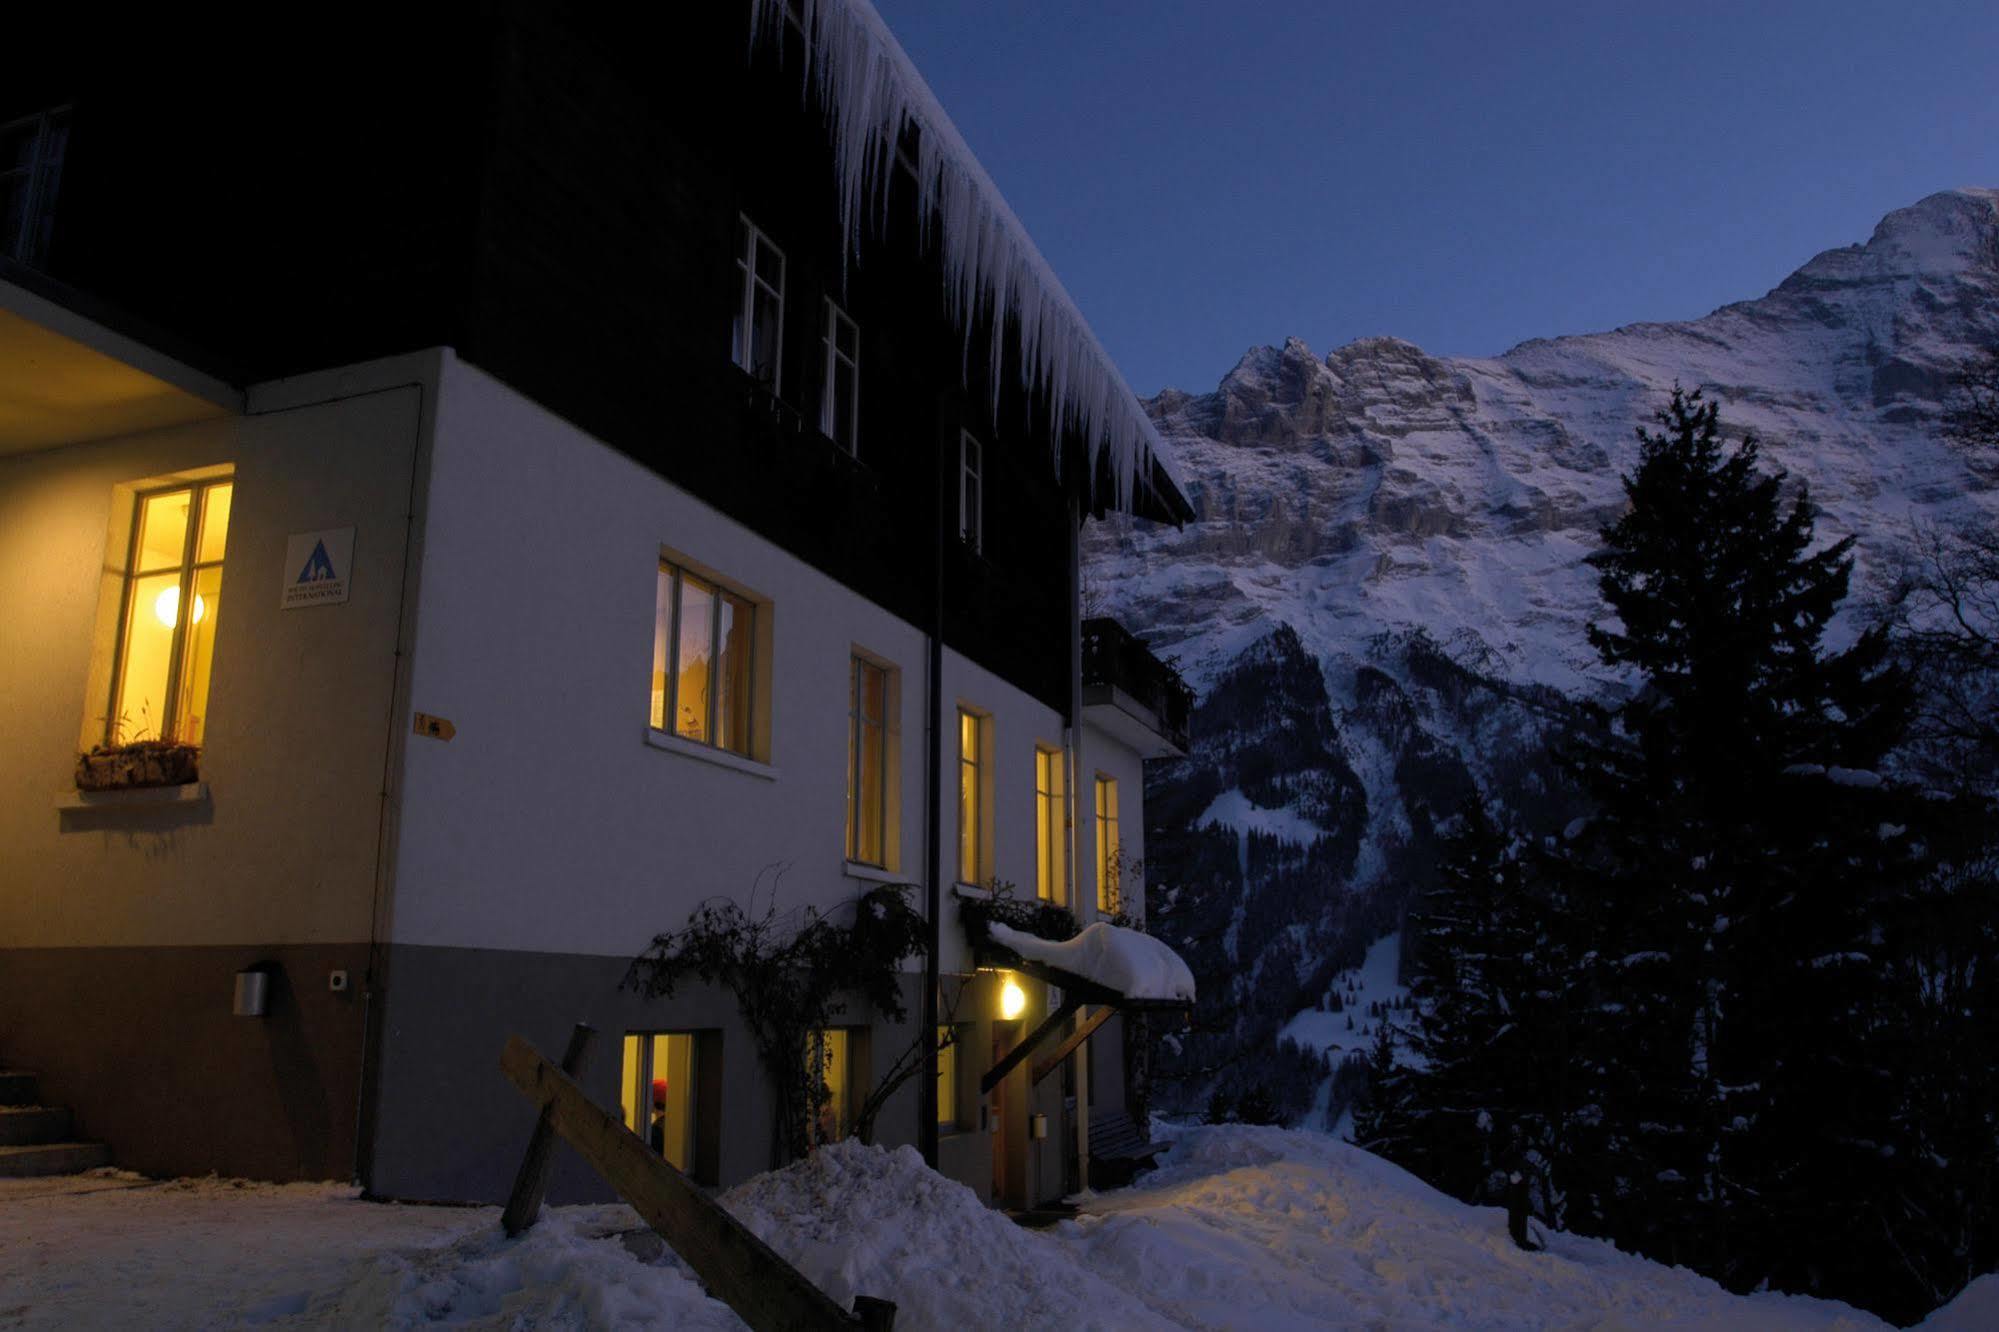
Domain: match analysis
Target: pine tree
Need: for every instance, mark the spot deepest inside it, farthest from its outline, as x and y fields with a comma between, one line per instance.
x=1489, y=1099
x=1734, y=854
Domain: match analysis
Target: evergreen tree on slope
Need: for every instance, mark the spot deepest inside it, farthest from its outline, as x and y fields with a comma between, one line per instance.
x=1730, y=861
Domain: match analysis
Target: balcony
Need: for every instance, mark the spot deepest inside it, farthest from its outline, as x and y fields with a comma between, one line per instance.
x=1131, y=694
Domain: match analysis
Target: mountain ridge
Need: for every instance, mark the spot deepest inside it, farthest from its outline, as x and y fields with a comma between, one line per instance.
x=1415, y=526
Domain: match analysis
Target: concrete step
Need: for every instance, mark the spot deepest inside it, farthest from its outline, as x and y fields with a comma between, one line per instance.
x=16, y=1087
x=53, y=1158
x=29, y=1125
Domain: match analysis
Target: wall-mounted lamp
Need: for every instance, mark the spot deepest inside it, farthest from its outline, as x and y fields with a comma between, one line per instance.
x=1013, y=999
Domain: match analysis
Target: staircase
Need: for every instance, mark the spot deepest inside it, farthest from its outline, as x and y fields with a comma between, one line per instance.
x=36, y=1139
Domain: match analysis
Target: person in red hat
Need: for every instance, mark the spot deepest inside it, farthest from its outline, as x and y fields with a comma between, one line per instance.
x=657, y=1136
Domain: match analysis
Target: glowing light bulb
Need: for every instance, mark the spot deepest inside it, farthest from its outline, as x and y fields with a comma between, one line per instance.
x=167, y=607
x=1013, y=999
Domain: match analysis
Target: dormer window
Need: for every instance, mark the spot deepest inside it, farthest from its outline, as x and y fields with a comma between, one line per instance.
x=971, y=481
x=840, y=401
x=757, y=341
x=31, y=152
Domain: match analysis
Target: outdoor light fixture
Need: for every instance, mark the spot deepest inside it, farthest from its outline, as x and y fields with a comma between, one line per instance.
x=1013, y=999
x=167, y=606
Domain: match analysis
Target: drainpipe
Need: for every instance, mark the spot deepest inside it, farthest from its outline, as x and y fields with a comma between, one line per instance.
x=933, y=815
x=1075, y=759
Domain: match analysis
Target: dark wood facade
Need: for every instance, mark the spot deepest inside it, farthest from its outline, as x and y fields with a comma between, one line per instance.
x=556, y=197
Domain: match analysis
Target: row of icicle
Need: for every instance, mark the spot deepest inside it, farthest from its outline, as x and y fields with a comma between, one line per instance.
x=868, y=89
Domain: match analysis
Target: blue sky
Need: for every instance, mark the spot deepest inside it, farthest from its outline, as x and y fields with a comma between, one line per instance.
x=1208, y=176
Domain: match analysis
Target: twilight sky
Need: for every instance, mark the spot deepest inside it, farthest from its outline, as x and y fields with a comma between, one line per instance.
x=1207, y=176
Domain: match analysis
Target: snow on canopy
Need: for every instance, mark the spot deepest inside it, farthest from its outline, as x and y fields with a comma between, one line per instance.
x=1136, y=965
x=869, y=90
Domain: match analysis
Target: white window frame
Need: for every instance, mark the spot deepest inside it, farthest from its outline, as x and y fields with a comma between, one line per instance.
x=836, y=360
x=972, y=822
x=679, y=574
x=171, y=724
x=1051, y=826
x=856, y=721
x=1110, y=845
x=746, y=264
x=971, y=490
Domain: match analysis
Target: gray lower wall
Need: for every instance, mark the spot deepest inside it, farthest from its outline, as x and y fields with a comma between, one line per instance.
x=448, y=1126
x=140, y=1043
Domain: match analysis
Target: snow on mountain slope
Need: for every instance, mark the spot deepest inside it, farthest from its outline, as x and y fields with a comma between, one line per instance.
x=1385, y=489
x=1414, y=527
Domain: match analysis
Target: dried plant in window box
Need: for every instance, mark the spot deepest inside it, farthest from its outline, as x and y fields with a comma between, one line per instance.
x=136, y=764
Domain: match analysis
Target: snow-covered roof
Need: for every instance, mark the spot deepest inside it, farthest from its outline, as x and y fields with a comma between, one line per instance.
x=869, y=89
x=1135, y=965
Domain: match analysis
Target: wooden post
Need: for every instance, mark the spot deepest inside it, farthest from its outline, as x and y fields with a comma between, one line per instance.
x=1084, y=1030
x=524, y=1203
x=1012, y=1059
x=739, y=1269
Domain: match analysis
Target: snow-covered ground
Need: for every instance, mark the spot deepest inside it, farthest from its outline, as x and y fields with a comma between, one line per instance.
x=1241, y=1228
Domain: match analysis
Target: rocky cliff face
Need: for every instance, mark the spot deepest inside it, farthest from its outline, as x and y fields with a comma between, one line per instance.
x=1382, y=597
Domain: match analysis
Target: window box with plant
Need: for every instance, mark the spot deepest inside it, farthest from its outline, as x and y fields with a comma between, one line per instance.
x=170, y=603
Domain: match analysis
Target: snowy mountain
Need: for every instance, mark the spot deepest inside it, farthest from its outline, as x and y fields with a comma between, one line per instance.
x=1382, y=598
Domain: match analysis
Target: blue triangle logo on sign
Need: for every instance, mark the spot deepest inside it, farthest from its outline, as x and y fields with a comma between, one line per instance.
x=319, y=568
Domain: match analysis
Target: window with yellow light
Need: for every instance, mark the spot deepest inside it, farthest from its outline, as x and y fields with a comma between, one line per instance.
x=171, y=604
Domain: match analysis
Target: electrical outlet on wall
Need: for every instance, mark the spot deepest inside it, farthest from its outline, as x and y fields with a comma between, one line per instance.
x=336, y=980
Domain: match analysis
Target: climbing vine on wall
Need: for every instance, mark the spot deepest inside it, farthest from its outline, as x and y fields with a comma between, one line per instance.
x=792, y=972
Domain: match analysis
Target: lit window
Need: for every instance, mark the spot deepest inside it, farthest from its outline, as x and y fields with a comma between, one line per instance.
x=840, y=403
x=1049, y=842
x=947, y=1077
x=971, y=474
x=756, y=341
x=172, y=601
x=827, y=1058
x=658, y=1094
x=1110, y=853
x=972, y=775
x=868, y=761
x=703, y=639
x=31, y=153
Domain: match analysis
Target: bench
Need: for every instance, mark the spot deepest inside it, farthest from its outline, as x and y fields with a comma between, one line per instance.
x=1117, y=1151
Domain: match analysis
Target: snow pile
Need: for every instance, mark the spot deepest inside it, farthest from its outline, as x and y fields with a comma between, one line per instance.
x=868, y=1221
x=1136, y=965
x=1250, y=1228
x=869, y=90
x=569, y=1271
x=1272, y=1229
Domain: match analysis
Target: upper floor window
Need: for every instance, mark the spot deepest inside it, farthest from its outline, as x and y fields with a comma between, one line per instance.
x=704, y=639
x=971, y=482
x=172, y=600
x=973, y=778
x=840, y=405
x=1050, y=840
x=868, y=761
x=757, y=341
x=31, y=153
x=1110, y=852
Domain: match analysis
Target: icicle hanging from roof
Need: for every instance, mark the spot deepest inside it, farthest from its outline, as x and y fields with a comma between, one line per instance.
x=869, y=89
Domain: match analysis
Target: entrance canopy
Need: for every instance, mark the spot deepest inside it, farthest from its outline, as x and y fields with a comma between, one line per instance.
x=1116, y=968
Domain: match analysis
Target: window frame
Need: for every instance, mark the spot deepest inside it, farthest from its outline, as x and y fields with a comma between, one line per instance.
x=667, y=722
x=857, y=663
x=1110, y=846
x=835, y=359
x=42, y=181
x=1051, y=860
x=746, y=265
x=971, y=491
x=189, y=570
x=973, y=835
